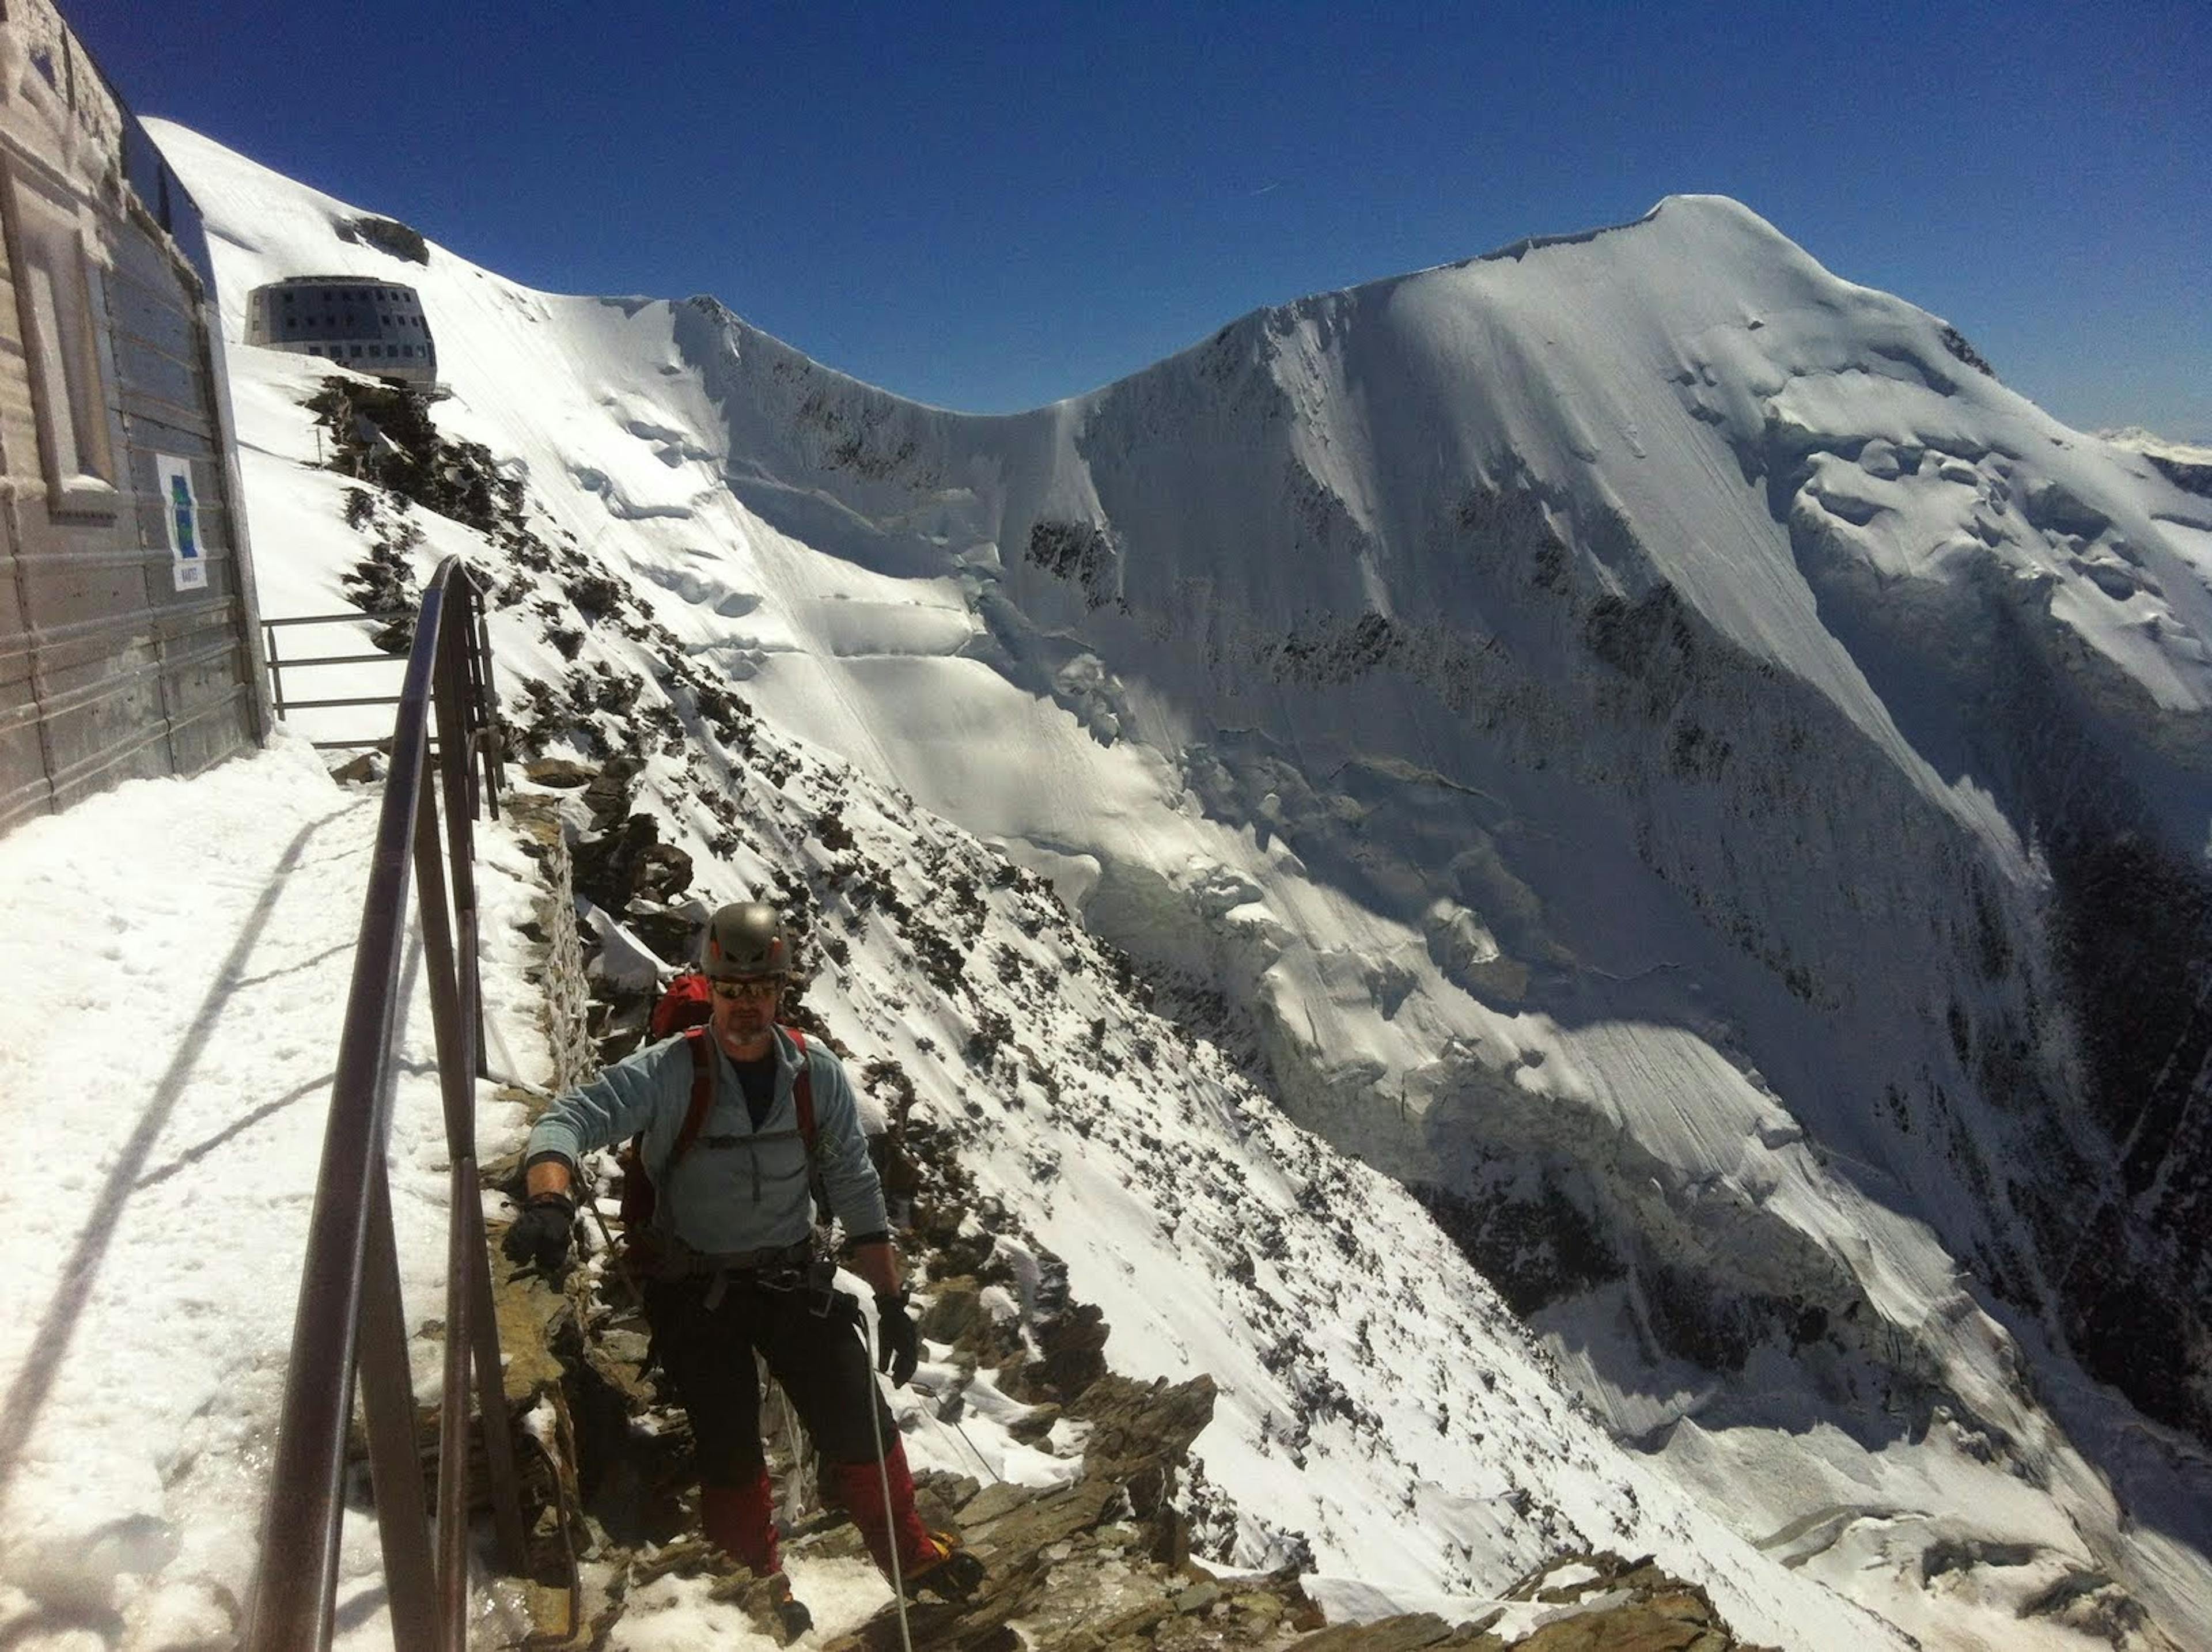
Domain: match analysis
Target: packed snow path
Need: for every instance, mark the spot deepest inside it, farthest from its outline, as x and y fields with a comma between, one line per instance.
x=177, y=957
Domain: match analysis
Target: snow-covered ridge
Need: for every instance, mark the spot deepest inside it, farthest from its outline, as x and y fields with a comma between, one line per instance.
x=1633, y=727
x=1682, y=436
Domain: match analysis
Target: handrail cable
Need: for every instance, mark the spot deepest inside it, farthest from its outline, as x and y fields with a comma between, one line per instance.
x=350, y=1318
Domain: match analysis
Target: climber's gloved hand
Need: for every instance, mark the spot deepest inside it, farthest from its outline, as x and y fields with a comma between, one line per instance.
x=898, y=1345
x=540, y=1235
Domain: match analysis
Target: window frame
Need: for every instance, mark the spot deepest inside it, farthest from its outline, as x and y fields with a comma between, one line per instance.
x=62, y=331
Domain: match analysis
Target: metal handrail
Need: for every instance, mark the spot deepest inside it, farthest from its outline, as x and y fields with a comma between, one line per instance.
x=278, y=665
x=350, y=1314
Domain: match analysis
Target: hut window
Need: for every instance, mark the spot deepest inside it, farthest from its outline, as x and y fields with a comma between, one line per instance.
x=55, y=295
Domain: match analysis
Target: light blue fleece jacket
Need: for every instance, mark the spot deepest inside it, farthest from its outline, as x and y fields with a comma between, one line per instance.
x=736, y=1189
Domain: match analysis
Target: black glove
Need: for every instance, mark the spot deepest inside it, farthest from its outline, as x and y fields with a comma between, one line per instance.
x=540, y=1235
x=898, y=1345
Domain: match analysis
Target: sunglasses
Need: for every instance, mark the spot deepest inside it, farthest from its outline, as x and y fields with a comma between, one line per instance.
x=757, y=987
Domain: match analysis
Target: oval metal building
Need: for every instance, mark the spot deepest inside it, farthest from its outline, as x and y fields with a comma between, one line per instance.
x=370, y=326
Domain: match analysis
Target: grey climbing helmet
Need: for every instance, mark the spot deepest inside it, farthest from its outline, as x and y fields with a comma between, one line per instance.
x=745, y=940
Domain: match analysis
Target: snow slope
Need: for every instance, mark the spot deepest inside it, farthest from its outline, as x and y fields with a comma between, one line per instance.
x=1626, y=734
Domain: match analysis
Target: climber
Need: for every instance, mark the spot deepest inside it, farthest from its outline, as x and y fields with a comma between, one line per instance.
x=730, y=1115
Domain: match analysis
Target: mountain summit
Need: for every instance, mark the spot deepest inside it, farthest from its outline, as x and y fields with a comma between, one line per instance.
x=1646, y=743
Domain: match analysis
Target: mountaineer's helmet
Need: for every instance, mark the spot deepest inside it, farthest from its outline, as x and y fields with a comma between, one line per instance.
x=747, y=940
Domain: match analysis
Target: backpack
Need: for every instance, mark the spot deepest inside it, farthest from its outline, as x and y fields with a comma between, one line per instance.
x=686, y=1002
x=635, y=1190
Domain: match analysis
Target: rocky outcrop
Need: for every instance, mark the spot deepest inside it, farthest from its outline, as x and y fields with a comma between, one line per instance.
x=1102, y=1563
x=1089, y=1587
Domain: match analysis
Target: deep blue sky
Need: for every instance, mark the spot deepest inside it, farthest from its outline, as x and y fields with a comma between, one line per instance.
x=989, y=207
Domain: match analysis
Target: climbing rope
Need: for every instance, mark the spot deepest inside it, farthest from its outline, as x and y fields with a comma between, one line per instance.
x=960, y=1428
x=883, y=1476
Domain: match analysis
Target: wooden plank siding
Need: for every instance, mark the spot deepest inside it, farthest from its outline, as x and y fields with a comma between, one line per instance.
x=107, y=671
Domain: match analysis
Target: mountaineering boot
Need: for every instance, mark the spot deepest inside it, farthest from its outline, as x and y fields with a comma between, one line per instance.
x=951, y=1577
x=738, y=1520
x=792, y=1617
x=925, y=1559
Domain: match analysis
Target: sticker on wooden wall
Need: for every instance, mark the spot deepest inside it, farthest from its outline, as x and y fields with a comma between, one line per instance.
x=181, y=510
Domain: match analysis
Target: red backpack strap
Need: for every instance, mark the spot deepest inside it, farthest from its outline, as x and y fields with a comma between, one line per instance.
x=703, y=1094
x=802, y=1091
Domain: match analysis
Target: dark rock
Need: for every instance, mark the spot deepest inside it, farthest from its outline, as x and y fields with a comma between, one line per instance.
x=1404, y=1634
x=364, y=770
x=955, y=1306
x=607, y=866
x=1074, y=1344
x=939, y=1225
x=993, y=1502
x=939, y=1496
x=1039, y=1521
x=387, y=235
x=2190, y=478
x=1537, y=1245
x=664, y=871
x=1198, y=1597
x=1135, y=1425
x=560, y=772
x=608, y=794
x=673, y=935
x=1035, y=1424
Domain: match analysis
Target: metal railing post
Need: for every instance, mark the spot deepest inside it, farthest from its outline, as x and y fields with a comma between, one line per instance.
x=453, y=1426
x=494, y=776
x=275, y=671
x=457, y=763
x=350, y=1325
x=395, y=1461
x=291, y=1603
x=281, y=705
x=491, y=1389
x=470, y=1324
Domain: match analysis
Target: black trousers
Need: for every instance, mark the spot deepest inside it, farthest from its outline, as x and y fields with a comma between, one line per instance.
x=818, y=1360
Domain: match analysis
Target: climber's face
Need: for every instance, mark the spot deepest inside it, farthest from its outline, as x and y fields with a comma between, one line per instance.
x=744, y=1014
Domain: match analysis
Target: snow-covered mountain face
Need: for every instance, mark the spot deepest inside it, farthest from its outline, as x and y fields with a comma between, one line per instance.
x=1644, y=742
x=1646, y=631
